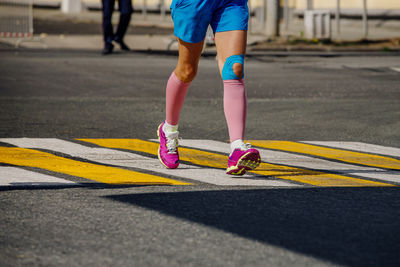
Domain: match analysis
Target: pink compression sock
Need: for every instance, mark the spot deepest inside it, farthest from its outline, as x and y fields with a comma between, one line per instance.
x=235, y=107
x=175, y=96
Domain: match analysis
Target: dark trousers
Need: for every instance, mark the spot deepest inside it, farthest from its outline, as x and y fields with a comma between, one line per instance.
x=125, y=9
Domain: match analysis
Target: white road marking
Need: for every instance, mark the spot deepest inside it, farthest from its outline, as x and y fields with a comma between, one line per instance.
x=127, y=159
x=284, y=158
x=396, y=69
x=361, y=147
x=11, y=176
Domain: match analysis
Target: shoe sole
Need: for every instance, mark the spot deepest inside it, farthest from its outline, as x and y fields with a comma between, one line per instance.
x=158, y=151
x=248, y=161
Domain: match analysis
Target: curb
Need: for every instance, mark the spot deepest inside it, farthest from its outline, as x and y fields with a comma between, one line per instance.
x=4, y=47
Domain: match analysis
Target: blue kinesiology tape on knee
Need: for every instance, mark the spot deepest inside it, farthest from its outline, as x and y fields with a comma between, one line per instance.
x=227, y=70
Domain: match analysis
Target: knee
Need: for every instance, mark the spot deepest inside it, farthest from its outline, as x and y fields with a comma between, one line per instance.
x=238, y=70
x=126, y=12
x=107, y=15
x=107, y=10
x=186, y=73
x=125, y=7
x=233, y=68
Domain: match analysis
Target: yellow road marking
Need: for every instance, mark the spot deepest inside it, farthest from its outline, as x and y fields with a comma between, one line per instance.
x=214, y=160
x=104, y=174
x=331, y=153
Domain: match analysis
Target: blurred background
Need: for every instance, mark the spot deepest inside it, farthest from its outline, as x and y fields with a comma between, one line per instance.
x=312, y=24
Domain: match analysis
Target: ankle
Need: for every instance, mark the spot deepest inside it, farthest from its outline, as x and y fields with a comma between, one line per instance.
x=237, y=144
x=168, y=128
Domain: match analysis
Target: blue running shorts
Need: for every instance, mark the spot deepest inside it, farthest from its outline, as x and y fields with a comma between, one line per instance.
x=192, y=17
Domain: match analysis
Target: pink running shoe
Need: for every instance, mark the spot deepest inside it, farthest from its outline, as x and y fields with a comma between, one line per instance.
x=168, y=149
x=241, y=161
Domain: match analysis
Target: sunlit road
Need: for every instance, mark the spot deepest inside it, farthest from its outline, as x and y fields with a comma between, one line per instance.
x=80, y=182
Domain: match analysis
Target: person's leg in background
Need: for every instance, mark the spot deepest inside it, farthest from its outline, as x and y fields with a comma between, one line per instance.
x=125, y=9
x=108, y=9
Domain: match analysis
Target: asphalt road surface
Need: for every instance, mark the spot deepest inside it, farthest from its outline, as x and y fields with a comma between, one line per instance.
x=333, y=200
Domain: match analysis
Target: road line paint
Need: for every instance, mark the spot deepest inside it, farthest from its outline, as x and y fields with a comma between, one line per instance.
x=12, y=176
x=214, y=160
x=104, y=174
x=362, y=147
x=396, y=69
x=317, y=178
x=302, y=161
x=127, y=159
x=331, y=153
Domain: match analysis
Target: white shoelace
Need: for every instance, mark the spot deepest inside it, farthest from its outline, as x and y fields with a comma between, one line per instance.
x=172, y=142
x=245, y=146
x=242, y=147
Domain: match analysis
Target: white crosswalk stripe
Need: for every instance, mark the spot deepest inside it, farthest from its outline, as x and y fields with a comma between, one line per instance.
x=284, y=158
x=12, y=176
x=127, y=159
x=396, y=69
x=362, y=147
x=17, y=176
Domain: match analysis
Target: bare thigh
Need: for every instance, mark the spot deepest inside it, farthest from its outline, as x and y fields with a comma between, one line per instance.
x=188, y=61
x=228, y=44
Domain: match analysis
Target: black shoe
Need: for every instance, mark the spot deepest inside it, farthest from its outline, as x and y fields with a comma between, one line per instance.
x=108, y=48
x=122, y=45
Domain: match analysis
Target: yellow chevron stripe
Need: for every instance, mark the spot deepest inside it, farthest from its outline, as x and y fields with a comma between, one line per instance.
x=214, y=160
x=104, y=174
x=331, y=153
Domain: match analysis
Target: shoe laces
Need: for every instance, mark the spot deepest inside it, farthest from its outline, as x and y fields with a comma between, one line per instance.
x=245, y=146
x=242, y=147
x=172, y=142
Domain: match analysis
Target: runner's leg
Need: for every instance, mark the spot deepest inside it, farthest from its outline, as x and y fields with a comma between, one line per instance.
x=230, y=43
x=180, y=79
x=231, y=47
x=177, y=87
x=191, y=19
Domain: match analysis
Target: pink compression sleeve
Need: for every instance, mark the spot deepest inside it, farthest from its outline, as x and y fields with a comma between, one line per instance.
x=175, y=96
x=235, y=108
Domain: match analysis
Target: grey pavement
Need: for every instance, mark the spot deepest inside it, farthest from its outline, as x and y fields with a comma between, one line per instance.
x=76, y=93
x=172, y=226
x=301, y=98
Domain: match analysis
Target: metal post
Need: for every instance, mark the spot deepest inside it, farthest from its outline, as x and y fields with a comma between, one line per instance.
x=278, y=18
x=31, y=18
x=250, y=18
x=273, y=18
x=162, y=9
x=337, y=17
x=309, y=4
x=144, y=9
x=365, y=20
x=71, y=6
x=262, y=15
x=286, y=14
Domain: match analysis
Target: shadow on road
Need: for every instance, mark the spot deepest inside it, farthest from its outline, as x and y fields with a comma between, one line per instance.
x=349, y=226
